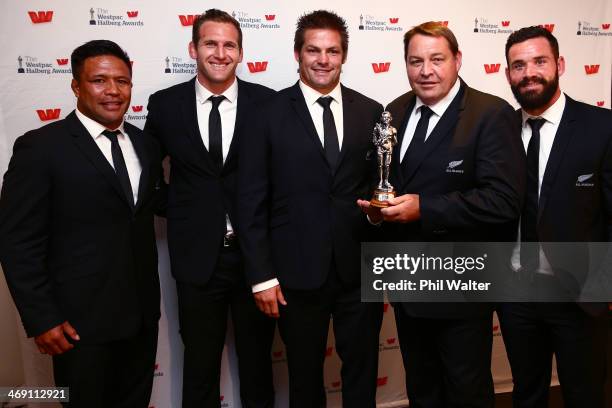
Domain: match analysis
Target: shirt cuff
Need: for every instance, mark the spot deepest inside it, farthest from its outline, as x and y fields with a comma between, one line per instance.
x=259, y=287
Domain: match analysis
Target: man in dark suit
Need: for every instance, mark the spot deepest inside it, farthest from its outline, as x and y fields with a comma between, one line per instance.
x=568, y=199
x=308, y=160
x=77, y=242
x=199, y=124
x=456, y=169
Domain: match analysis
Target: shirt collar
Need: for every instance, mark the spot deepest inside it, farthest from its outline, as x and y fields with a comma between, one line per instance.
x=202, y=93
x=440, y=107
x=553, y=114
x=94, y=128
x=311, y=95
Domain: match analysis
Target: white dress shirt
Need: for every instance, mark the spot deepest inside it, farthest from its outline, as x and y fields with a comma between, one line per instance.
x=438, y=110
x=227, y=110
x=552, y=115
x=316, y=113
x=127, y=149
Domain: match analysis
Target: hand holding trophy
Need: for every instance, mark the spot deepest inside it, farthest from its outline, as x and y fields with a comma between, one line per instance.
x=384, y=138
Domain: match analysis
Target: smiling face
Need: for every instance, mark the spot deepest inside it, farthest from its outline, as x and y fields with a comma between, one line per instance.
x=103, y=90
x=320, y=59
x=533, y=74
x=432, y=68
x=217, y=54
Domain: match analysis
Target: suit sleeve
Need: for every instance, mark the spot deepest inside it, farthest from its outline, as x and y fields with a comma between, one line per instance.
x=253, y=192
x=151, y=128
x=24, y=230
x=497, y=195
x=606, y=176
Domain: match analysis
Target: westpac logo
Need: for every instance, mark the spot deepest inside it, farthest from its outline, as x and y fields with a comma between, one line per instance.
x=585, y=28
x=48, y=114
x=136, y=113
x=380, y=67
x=266, y=22
x=39, y=17
x=187, y=19
x=334, y=387
x=257, y=66
x=591, y=69
x=491, y=68
x=328, y=351
x=482, y=25
x=157, y=372
x=382, y=381
x=385, y=307
x=548, y=27
x=278, y=356
x=176, y=65
x=585, y=180
x=31, y=65
x=390, y=343
x=600, y=103
x=369, y=22
x=223, y=404
x=104, y=17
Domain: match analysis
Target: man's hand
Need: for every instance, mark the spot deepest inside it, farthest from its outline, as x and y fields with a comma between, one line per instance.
x=54, y=341
x=372, y=212
x=404, y=208
x=267, y=301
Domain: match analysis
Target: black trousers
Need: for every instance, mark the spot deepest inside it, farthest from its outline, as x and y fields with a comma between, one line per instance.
x=447, y=361
x=117, y=374
x=203, y=312
x=304, y=325
x=533, y=332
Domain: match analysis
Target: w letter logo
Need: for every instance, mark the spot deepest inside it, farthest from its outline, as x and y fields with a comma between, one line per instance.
x=137, y=108
x=549, y=27
x=259, y=66
x=605, y=26
x=40, y=16
x=187, y=20
x=591, y=69
x=48, y=114
x=62, y=61
x=270, y=17
x=132, y=14
x=393, y=20
x=491, y=68
x=381, y=67
x=505, y=23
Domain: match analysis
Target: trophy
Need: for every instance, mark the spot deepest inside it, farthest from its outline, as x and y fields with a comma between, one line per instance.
x=167, y=70
x=20, y=70
x=384, y=138
x=361, y=21
x=92, y=20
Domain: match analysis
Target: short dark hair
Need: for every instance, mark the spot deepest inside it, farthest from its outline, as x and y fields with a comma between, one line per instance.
x=527, y=33
x=432, y=29
x=218, y=16
x=96, y=48
x=321, y=19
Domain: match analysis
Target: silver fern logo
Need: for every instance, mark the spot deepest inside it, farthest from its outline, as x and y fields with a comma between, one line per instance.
x=452, y=167
x=583, y=181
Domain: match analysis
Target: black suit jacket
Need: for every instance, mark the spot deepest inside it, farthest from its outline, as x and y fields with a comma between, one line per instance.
x=199, y=195
x=71, y=246
x=296, y=214
x=470, y=179
x=575, y=202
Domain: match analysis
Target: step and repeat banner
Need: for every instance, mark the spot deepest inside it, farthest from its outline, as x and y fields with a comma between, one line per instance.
x=38, y=37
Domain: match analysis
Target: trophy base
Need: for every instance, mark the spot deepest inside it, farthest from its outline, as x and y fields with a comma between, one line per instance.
x=380, y=197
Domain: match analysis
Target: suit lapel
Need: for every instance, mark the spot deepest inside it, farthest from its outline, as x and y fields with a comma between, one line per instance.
x=299, y=106
x=562, y=138
x=90, y=149
x=349, y=132
x=401, y=117
x=443, y=128
x=144, y=159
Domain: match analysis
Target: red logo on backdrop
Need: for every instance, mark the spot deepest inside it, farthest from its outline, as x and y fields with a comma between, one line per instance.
x=38, y=17
x=156, y=366
x=393, y=20
x=444, y=23
x=505, y=23
x=591, y=69
x=48, y=114
x=222, y=397
x=495, y=328
x=491, y=68
x=381, y=67
x=188, y=19
x=137, y=108
x=328, y=351
x=391, y=340
x=600, y=103
x=605, y=26
x=336, y=384
x=258, y=66
x=549, y=27
x=277, y=354
x=382, y=381
x=270, y=17
x=132, y=14
x=385, y=307
x=62, y=61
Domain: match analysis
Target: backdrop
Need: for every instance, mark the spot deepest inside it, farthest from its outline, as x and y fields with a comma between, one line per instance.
x=38, y=37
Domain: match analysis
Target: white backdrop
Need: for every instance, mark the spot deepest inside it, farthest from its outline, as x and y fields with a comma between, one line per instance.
x=38, y=37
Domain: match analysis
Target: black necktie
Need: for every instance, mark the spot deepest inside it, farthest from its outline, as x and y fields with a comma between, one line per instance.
x=330, y=135
x=214, y=131
x=530, y=258
x=418, y=139
x=119, y=164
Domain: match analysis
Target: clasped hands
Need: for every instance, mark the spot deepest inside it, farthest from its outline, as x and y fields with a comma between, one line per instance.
x=404, y=208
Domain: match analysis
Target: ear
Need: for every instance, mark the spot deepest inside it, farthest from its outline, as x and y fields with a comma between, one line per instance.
x=458, y=59
x=193, y=50
x=296, y=55
x=240, y=56
x=561, y=65
x=507, y=74
x=75, y=87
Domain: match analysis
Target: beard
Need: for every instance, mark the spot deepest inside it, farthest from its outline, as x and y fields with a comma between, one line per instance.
x=530, y=100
